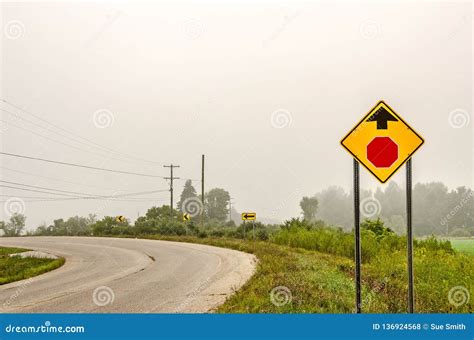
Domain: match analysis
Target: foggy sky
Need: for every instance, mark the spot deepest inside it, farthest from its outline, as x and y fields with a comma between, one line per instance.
x=265, y=91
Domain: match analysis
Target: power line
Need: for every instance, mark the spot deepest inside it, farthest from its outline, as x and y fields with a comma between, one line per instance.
x=79, y=165
x=43, y=188
x=112, y=197
x=73, y=197
x=131, y=199
x=62, y=143
x=41, y=191
x=99, y=199
x=54, y=179
x=96, y=145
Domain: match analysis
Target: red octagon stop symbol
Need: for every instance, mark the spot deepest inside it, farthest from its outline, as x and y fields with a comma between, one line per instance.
x=382, y=152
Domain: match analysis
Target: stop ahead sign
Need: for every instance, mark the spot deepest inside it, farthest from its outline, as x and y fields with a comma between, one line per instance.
x=382, y=141
x=382, y=152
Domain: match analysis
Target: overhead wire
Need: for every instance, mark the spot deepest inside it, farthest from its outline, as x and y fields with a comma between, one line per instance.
x=79, y=165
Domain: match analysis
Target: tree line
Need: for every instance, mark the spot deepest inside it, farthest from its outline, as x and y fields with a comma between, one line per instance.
x=436, y=209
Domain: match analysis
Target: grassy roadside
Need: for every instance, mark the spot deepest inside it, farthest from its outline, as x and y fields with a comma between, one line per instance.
x=308, y=281
x=463, y=245
x=17, y=268
x=302, y=281
x=7, y=251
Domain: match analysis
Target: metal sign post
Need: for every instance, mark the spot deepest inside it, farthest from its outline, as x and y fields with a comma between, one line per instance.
x=357, y=236
x=411, y=296
x=253, y=229
x=382, y=142
x=249, y=216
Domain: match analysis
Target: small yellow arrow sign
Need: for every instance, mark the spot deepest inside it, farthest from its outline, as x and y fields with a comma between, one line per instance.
x=382, y=141
x=120, y=218
x=186, y=217
x=249, y=216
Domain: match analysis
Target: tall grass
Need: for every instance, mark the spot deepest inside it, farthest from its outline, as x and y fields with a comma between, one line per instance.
x=439, y=269
x=17, y=268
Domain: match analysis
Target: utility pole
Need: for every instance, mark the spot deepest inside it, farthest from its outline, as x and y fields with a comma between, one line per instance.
x=202, y=192
x=171, y=166
x=230, y=209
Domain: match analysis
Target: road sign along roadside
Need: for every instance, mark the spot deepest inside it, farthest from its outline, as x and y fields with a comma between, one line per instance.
x=186, y=217
x=249, y=216
x=120, y=218
x=382, y=141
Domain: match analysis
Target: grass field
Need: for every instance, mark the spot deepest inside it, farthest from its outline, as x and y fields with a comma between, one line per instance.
x=17, y=268
x=296, y=280
x=290, y=280
x=463, y=245
x=7, y=251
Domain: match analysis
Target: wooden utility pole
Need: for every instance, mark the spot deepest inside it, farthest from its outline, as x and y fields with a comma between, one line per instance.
x=171, y=166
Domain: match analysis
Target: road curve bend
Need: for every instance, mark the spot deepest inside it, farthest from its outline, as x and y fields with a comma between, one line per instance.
x=104, y=275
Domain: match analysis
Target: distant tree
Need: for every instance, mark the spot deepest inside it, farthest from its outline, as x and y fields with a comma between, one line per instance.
x=110, y=226
x=15, y=226
x=188, y=192
x=42, y=229
x=335, y=207
x=309, y=206
x=217, y=201
x=159, y=212
x=2, y=228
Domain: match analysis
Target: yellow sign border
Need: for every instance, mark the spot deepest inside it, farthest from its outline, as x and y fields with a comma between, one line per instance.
x=249, y=219
x=362, y=121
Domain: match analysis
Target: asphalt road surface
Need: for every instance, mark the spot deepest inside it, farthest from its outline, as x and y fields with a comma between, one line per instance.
x=127, y=276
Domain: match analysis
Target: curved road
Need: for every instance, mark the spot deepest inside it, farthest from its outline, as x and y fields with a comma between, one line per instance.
x=127, y=276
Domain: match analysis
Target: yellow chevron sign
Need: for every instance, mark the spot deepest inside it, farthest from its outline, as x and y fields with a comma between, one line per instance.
x=120, y=218
x=249, y=216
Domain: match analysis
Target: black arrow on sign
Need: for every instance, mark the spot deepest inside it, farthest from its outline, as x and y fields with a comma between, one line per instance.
x=382, y=116
x=248, y=215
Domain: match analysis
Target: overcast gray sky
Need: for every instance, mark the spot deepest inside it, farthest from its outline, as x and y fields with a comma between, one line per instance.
x=265, y=91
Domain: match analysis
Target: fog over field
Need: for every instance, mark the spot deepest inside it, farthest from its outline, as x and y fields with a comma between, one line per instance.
x=265, y=91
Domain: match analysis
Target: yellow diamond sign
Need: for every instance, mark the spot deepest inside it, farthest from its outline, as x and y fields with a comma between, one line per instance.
x=382, y=141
